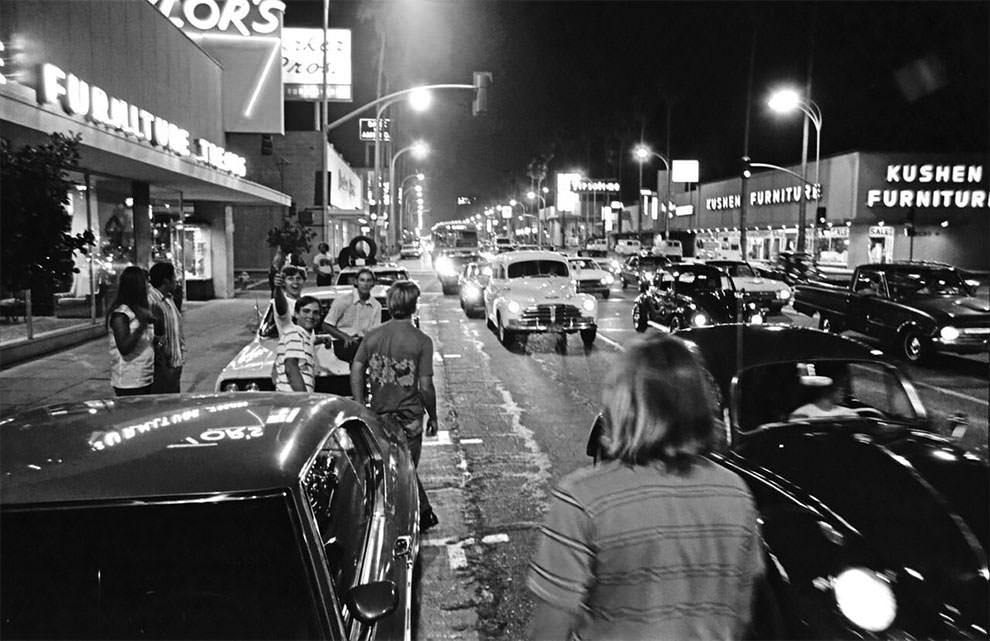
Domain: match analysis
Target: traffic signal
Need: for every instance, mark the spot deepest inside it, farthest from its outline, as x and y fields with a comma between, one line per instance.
x=745, y=168
x=266, y=144
x=821, y=220
x=482, y=79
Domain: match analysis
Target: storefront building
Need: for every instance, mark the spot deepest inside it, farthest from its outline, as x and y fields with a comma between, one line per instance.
x=866, y=207
x=156, y=180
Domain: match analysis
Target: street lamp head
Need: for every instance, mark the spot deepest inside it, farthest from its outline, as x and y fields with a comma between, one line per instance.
x=420, y=149
x=531, y=195
x=420, y=99
x=784, y=100
x=421, y=176
x=641, y=152
x=513, y=202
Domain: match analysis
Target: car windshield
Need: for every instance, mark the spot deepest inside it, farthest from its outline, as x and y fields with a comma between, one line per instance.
x=538, y=268
x=737, y=270
x=382, y=277
x=204, y=570
x=583, y=264
x=653, y=263
x=823, y=389
x=925, y=282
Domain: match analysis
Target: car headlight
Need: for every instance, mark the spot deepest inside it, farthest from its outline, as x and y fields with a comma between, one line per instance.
x=948, y=333
x=514, y=307
x=784, y=294
x=865, y=598
x=252, y=387
x=588, y=304
x=756, y=319
x=231, y=387
x=608, y=280
x=699, y=320
x=470, y=291
x=445, y=267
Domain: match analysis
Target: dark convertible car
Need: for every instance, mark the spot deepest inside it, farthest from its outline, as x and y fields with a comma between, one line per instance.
x=874, y=526
x=692, y=295
x=247, y=516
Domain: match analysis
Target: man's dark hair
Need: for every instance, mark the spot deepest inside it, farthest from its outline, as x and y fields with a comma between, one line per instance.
x=290, y=270
x=160, y=272
x=323, y=247
x=364, y=270
x=305, y=300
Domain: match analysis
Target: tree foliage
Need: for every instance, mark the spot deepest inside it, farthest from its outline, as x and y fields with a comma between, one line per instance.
x=36, y=243
x=292, y=236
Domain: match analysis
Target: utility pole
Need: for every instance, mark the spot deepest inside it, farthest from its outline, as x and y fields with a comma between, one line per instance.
x=744, y=192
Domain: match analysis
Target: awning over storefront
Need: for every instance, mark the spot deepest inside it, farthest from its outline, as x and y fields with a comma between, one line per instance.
x=115, y=153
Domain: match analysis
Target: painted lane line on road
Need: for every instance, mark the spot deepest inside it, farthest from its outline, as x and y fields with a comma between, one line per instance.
x=451, y=355
x=456, y=557
x=442, y=438
x=489, y=539
x=470, y=441
x=973, y=399
x=656, y=325
x=611, y=342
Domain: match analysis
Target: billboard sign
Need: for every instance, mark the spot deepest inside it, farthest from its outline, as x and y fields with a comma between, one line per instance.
x=302, y=64
x=684, y=171
x=366, y=129
x=245, y=37
x=567, y=199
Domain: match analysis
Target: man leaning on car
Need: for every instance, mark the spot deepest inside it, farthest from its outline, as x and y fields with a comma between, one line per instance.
x=353, y=315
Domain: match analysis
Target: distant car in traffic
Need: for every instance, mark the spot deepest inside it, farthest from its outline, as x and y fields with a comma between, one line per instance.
x=410, y=250
x=770, y=295
x=692, y=295
x=471, y=283
x=448, y=266
x=795, y=267
x=641, y=269
x=628, y=247
x=533, y=292
x=873, y=526
x=590, y=277
x=206, y=516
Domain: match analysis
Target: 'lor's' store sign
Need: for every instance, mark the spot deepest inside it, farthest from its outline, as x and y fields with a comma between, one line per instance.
x=79, y=98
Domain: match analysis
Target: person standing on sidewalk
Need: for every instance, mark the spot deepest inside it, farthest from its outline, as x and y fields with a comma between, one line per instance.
x=170, y=343
x=130, y=320
x=397, y=359
x=323, y=266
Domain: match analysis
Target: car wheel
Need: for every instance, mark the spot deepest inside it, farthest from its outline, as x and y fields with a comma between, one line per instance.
x=675, y=323
x=915, y=347
x=588, y=335
x=606, y=294
x=639, y=316
x=505, y=336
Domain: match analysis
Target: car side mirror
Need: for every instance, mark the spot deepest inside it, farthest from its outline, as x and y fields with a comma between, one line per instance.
x=372, y=601
x=594, y=446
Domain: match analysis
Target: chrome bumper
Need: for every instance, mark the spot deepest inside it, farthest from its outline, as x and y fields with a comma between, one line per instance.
x=521, y=325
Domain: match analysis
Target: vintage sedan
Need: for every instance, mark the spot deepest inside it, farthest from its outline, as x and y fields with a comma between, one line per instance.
x=874, y=526
x=590, y=277
x=692, y=295
x=249, y=516
x=768, y=294
x=251, y=368
x=471, y=285
x=533, y=291
x=641, y=269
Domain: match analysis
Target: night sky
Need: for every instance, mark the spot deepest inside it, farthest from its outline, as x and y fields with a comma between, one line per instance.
x=585, y=80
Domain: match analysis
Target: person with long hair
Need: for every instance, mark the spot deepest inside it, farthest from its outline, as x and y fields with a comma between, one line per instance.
x=656, y=542
x=132, y=334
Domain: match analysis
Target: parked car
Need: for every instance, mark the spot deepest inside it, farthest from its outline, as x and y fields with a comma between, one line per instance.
x=590, y=277
x=873, y=526
x=448, y=266
x=532, y=292
x=919, y=308
x=251, y=368
x=410, y=250
x=794, y=267
x=641, y=269
x=596, y=245
x=471, y=285
x=628, y=246
x=692, y=295
x=770, y=295
x=207, y=516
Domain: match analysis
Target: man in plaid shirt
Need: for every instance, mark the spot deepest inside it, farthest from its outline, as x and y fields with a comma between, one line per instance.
x=170, y=344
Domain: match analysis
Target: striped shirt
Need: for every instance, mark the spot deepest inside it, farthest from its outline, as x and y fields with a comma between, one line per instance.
x=295, y=342
x=642, y=553
x=170, y=347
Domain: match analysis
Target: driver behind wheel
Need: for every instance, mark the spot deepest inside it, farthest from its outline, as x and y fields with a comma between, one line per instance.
x=826, y=395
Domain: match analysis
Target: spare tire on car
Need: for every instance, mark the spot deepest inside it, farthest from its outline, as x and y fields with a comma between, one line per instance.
x=360, y=247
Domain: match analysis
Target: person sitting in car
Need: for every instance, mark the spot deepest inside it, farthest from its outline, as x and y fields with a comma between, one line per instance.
x=827, y=396
x=353, y=315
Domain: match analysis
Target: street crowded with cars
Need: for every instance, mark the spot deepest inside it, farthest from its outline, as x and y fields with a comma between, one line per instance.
x=852, y=507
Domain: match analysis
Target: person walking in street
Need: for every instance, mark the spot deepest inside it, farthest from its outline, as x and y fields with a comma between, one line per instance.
x=295, y=360
x=397, y=359
x=130, y=321
x=353, y=315
x=656, y=542
x=323, y=266
x=170, y=343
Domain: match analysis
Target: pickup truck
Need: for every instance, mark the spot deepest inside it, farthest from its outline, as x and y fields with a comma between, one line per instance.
x=918, y=308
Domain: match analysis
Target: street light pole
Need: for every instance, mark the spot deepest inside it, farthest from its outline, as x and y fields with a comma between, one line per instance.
x=417, y=147
x=788, y=100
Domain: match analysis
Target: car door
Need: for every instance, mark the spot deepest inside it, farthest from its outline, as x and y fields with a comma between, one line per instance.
x=866, y=306
x=494, y=286
x=630, y=270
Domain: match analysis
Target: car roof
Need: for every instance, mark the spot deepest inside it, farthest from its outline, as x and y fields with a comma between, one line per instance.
x=164, y=445
x=530, y=254
x=911, y=264
x=763, y=344
x=377, y=267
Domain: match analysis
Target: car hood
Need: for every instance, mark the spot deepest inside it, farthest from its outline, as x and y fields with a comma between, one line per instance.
x=257, y=358
x=967, y=308
x=914, y=499
x=757, y=284
x=540, y=289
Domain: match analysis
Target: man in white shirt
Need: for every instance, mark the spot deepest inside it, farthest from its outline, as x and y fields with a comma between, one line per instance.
x=353, y=315
x=323, y=266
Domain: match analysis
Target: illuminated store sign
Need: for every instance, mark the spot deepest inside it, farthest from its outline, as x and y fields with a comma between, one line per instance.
x=79, y=98
x=765, y=197
x=921, y=187
x=244, y=17
x=594, y=185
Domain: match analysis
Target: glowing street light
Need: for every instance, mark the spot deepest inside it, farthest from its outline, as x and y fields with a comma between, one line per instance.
x=420, y=150
x=420, y=99
x=643, y=153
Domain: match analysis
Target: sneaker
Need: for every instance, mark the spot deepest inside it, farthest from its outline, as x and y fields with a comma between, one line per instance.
x=427, y=520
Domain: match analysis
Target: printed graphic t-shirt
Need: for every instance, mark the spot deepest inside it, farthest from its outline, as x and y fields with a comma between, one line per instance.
x=396, y=355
